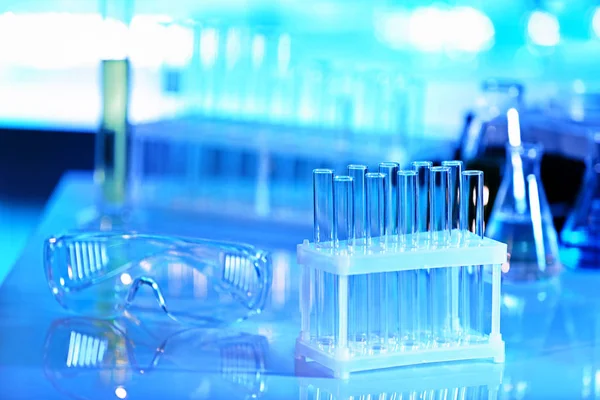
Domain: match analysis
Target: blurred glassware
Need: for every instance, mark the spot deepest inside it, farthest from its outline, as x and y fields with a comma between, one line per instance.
x=522, y=219
x=495, y=99
x=194, y=281
x=111, y=171
x=582, y=229
x=98, y=359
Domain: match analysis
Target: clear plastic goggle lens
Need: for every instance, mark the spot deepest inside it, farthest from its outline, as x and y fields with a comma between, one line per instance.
x=202, y=282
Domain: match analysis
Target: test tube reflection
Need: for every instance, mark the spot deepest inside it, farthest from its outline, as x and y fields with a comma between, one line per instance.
x=344, y=221
x=357, y=173
x=323, y=207
x=472, y=284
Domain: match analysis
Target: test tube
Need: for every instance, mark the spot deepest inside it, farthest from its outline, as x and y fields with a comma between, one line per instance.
x=389, y=283
x=471, y=213
x=441, y=278
x=455, y=180
x=423, y=169
x=376, y=282
x=440, y=206
x=375, y=183
x=455, y=185
x=358, y=172
x=472, y=285
x=323, y=207
x=390, y=170
x=343, y=210
x=358, y=284
x=407, y=280
x=407, y=208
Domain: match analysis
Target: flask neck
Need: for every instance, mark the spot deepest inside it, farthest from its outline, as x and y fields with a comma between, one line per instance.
x=527, y=160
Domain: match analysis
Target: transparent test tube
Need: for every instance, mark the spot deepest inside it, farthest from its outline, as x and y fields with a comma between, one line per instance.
x=472, y=285
x=376, y=287
x=407, y=209
x=423, y=202
x=358, y=172
x=390, y=170
x=407, y=280
x=325, y=286
x=375, y=183
x=323, y=207
x=441, y=278
x=343, y=189
x=358, y=284
x=389, y=280
x=455, y=179
x=455, y=185
x=423, y=170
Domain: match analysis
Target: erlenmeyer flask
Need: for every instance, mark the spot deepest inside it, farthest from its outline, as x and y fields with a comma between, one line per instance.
x=582, y=229
x=521, y=217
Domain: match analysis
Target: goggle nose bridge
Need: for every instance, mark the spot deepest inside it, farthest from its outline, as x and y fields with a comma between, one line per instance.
x=144, y=280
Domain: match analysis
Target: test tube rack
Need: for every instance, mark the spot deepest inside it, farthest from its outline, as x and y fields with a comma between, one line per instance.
x=405, y=294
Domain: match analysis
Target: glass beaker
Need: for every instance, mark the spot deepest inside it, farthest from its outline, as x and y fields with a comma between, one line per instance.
x=582, y=229
x=521, y=217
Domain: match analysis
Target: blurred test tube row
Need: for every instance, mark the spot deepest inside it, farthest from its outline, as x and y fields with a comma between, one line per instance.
x=253, y=123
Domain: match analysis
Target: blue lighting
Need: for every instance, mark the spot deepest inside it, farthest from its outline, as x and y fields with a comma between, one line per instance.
x=596, y=22
x=543, y=29
x=434, y=29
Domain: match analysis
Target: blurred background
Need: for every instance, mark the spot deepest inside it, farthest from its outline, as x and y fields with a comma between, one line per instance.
x=226, y=106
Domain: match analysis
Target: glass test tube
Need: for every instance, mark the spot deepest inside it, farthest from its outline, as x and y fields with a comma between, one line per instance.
x=343, y=210
x=471, y=213
x=455, y=185
x=375, y=183
x=408, y=280
x=357, y=313
x=323, y=207
x=407, y=208
x=455, y=180
x=324, y=295
x=376, y=283
x=389, y=280
x=423, y=169
x=440, y=206
x=472, y=285
x=358, y=172
x=390, y=170
x=441, y=278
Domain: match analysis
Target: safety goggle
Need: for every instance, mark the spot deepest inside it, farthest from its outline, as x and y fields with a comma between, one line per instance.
x=89, y=357
x=196, y=281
